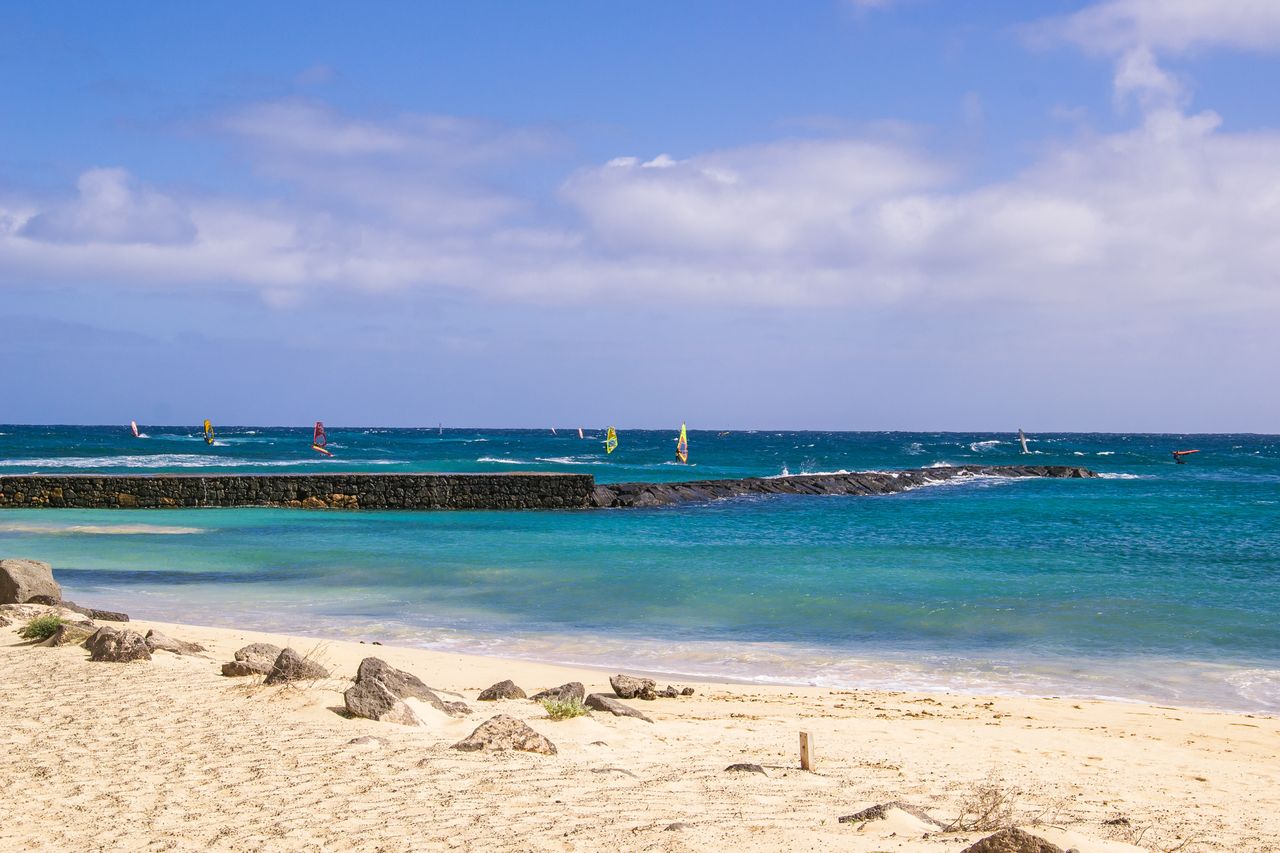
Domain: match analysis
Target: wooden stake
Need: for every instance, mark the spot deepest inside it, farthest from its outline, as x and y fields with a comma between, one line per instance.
x=806, y=751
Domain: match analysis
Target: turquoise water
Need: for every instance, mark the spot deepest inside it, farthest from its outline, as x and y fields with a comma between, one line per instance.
x=1157, y=582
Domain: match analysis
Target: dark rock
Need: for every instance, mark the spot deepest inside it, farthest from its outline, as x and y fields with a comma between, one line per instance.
x=686, y=691
x=502, y=690
x=240, y=668
x=290, y=666
x=253, y=659
x=404, y=685
x=745, y=768
x=159, y=642
x=880, y=810
x=630, y=687
x=373, y=700
x=1012, y=840
x=505, y=733
x=107, y=615
x=117, y=646
x=564, y=693
x=23, y=580
x=600, y=702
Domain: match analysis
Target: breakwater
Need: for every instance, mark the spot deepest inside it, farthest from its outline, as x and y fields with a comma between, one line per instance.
x=310, y=491
x=852, y=483
x=460, y=491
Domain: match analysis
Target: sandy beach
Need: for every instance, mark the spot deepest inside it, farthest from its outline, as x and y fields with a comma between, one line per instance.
x=169, y=754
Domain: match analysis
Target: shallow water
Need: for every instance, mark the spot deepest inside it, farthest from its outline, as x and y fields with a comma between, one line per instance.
x=1157, y=582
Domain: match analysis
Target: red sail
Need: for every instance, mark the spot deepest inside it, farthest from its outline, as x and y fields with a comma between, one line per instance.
x=318, y=438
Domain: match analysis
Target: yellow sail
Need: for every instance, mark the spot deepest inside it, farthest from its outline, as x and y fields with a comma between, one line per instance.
x=682, y=446
x=208, y=432
x=610, y=440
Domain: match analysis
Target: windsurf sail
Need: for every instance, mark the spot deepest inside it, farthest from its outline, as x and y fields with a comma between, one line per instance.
x=319, y=440
x=610, y=440
x=1178, y=454
x=682, y=446
x=133, y=425
x=553, y=431
x=1022, y=439
x=580, y=432
x=208, y=432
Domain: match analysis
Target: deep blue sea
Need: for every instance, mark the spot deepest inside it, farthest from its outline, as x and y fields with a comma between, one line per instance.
x=1156, y=582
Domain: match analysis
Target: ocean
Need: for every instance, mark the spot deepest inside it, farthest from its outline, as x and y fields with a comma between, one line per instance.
x=1155, y=582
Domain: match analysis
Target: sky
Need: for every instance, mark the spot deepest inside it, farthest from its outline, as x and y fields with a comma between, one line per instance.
x=833, y=214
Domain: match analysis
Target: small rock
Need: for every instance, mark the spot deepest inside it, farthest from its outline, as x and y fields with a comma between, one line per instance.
x=601, y=702
x=405, y=685
x=686, y=691
x=23, y=580
x=564, y=693
x=107, y=615
x=117, y=646
x=368, y=740
x=745, y=768
x=373, y=700
x=502, y=690
x=630, y=687
x=290, y=666
x=159, y=642
x=1012, y=840
x=241, y=668
x=505, y=733
x=672, y=827
x=880, y=810
x=253, y=659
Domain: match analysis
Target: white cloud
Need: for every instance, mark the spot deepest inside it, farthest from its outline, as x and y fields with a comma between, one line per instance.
x=1117, y=26
x=111, y=208
x=1174, y=212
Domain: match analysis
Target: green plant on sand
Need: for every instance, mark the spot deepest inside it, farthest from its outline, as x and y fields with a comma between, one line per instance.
x=41, y=627
x=564, y=709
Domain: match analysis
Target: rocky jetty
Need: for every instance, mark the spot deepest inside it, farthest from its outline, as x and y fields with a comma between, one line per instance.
x=459, y=491
x=855, y=483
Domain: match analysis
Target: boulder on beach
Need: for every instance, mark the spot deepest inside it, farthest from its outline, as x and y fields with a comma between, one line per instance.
x=23, y=580
x=564, y=693
x=291, y=666
x=502, y=690
x=601, y=702
x=117, y=646
x=373, y=700
x=502, y=733
x=159, y=642
x=253, y=659
x=745, y=768
x=630, y=687
x=406, y=685
x=1012, y=840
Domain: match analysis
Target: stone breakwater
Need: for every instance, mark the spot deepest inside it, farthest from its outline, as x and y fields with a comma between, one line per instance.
x=458, y=491
x=311, y=491
x=855, y=483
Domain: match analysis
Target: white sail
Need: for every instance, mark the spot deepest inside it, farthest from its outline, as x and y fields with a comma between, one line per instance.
x=1022, y=439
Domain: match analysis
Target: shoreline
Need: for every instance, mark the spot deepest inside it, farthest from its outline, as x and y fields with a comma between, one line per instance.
x=1173, y=774
x=923, y=680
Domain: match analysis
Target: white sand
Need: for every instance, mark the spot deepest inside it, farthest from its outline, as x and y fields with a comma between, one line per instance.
x=170, y=755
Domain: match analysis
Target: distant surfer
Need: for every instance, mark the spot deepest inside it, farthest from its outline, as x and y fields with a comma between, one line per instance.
x=1178, y=454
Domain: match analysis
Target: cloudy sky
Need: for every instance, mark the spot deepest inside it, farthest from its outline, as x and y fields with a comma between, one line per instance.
x=837, y=214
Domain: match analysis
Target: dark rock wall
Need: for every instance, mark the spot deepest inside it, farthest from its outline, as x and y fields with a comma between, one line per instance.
x=460, y=491
x=345, y=491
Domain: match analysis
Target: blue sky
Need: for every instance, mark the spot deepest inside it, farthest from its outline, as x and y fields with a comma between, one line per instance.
x=900, y=214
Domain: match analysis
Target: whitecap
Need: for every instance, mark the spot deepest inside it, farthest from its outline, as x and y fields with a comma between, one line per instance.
x=503, y=461
x=102, y=529
x=1116, y=476
x=979, y=446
